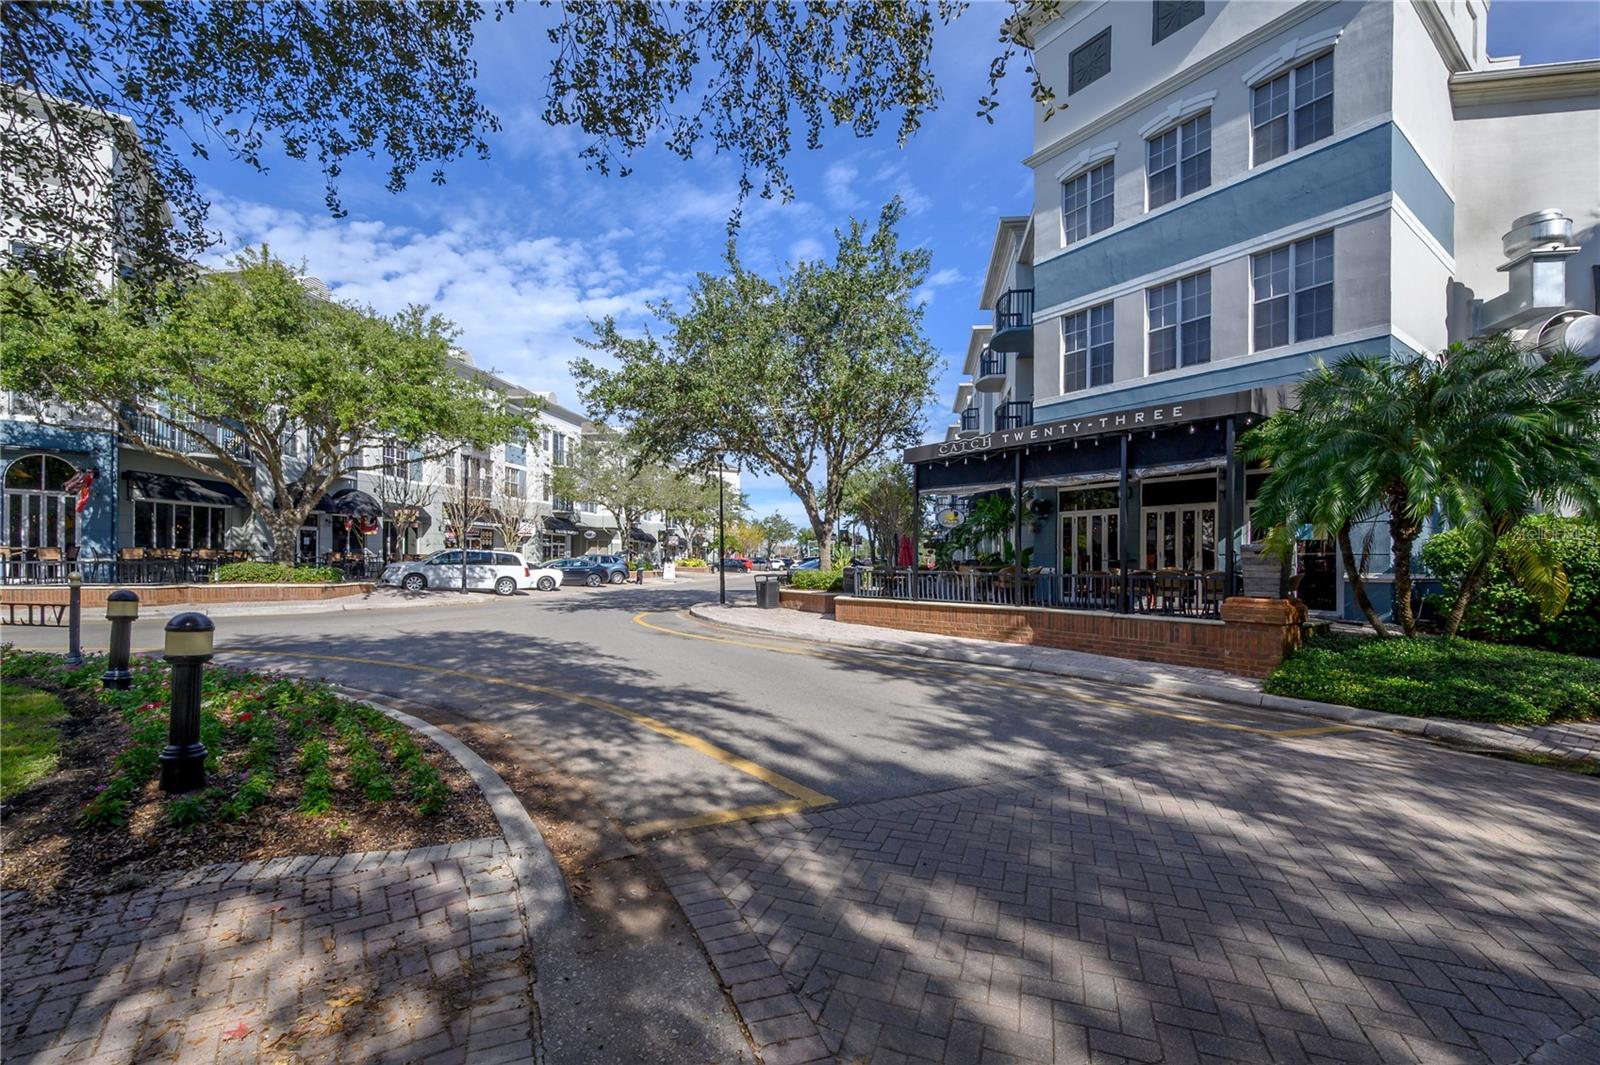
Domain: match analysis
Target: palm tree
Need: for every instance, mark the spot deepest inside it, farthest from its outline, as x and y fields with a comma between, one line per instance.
x=1522, y=434
x=1363, y=439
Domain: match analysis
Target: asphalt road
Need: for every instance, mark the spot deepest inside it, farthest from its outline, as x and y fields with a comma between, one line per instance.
x=682, y=724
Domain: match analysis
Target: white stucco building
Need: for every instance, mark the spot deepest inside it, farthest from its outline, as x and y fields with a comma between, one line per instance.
x=1233, y=192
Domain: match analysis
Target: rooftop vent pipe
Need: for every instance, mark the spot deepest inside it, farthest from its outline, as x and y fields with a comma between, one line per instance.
x=1534, y=309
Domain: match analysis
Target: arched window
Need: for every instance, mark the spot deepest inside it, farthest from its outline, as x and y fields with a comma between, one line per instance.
x=38, y=511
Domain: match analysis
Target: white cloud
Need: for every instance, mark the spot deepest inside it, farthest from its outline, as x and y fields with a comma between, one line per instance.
x=935, y=281
x=519, y=299
x=839, y=186
x=806, y=248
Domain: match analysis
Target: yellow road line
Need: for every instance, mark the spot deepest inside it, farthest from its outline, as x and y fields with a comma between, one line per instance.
x=645, y=829
x=796, y=790
x=999, y=682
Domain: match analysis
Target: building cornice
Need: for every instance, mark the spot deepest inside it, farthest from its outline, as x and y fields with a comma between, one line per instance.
x=1546, y=81
x=1444, y=40
x=1221, y=57
x=999, y=256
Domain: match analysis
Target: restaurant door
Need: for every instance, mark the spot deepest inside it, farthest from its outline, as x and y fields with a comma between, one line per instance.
x=308, y=544
x=1183, y=538
x=1089, y=542
x=1314, y=561
x=38, y=514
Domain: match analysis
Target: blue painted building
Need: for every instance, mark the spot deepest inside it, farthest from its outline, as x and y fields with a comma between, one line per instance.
x=1233, y=193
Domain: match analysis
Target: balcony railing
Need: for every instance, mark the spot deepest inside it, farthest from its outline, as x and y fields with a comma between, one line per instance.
x=1013, y=310
x=970, y=420
x=201, y=439
x=1178, y=594
x=992, y=363
x=1014, y=415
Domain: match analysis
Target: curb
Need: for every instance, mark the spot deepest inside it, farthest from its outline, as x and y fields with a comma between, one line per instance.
x=541, y=889
x=1481, y=736
x=239, y=610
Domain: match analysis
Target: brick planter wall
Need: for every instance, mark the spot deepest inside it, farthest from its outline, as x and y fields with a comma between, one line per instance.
x=809, y=601
x=94, y=595
x=1250, y=640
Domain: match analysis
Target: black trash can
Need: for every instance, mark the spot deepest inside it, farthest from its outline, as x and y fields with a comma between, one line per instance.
x=767, y=585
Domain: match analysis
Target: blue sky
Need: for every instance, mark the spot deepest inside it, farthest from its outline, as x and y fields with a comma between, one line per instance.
x=523, y=249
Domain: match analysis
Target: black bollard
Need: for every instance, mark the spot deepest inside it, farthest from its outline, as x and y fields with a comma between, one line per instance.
x=188, y=649
x=74, y=619
x=122, y=610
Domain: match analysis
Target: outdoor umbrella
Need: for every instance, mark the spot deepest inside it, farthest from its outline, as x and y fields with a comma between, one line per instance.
x=905, y=558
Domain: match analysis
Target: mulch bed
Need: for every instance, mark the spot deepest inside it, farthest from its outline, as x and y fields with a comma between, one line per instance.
x=48, y=851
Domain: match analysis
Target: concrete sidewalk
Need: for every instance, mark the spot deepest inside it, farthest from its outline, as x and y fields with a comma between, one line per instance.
x=1574, y=741
x=377, y=599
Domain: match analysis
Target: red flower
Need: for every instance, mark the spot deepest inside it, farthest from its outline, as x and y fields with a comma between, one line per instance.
x=243, y=717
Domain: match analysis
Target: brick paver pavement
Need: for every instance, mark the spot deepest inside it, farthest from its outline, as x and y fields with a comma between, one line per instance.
x=1346, y=899
x=382, y=956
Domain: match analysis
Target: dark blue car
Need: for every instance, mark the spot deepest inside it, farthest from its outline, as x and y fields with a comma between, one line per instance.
x=585, y=569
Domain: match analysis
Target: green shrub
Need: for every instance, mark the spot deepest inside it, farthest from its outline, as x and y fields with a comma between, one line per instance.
x=691, y=563
x=1429, y=676
x=1501, y=611
x=272, y=573
x=816, y=580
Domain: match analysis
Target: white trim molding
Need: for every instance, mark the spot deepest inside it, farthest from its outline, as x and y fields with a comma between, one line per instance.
x=1292, y=53
x=1087, y=158
x=1180, y=111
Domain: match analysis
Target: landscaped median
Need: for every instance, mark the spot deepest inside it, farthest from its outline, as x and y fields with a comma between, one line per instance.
x=291, y=768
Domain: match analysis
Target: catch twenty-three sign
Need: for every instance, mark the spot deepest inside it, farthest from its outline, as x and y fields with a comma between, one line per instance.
x=1156, y=416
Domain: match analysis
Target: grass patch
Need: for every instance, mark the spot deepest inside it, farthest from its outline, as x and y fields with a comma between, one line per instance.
x=29, y=740
x=1428, y=676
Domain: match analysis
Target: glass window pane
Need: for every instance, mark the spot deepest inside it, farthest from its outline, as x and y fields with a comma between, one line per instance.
x=182, y=526
x=163, y=525
x=1272, y=323
x=144, y=524
x=1163, y=187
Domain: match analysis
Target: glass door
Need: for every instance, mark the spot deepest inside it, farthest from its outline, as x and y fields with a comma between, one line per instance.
x=1181, y=537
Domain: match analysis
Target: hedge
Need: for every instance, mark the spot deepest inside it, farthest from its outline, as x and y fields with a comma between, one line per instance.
x=1502, y=612
x=816, y=580
x=691, y=563
x=1432, y=676
x=272, y=573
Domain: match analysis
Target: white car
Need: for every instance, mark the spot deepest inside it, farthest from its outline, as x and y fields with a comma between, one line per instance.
x=501, y=572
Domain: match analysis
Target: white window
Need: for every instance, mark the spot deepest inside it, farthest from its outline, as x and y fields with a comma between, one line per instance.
x=1293, y=292
x=1087, y=201
x=1179, y=160
x=1089, y=337
x=1292, y=110
x=1180, y=323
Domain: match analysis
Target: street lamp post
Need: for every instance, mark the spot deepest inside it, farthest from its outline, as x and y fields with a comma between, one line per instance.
x=722, y=536
x=188, y=649
x=122, y=609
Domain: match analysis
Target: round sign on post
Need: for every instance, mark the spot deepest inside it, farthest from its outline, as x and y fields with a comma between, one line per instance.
x=588, y=534
x=950, y=518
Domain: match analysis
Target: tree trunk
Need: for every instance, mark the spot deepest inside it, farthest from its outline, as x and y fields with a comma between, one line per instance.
x=285, y=529
x=1402, y=534
x=825, y=549
x=1469, y=587
x=1357, y=584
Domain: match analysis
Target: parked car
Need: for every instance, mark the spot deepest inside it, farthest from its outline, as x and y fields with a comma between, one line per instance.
x=737, y=565
x=616, y=567
x=586, y=569
x=784, y=564
x=501, y=572
x=809, y=563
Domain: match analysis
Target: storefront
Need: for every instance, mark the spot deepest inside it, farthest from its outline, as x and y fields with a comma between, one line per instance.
x=1138, y=511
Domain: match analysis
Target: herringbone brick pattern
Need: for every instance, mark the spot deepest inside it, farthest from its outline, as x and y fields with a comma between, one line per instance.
x=382, y=956
x=1350, y=899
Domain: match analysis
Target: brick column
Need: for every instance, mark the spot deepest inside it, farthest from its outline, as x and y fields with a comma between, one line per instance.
x=1260, y=632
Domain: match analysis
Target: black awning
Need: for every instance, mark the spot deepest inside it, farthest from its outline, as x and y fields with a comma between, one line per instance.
x=173, y=489
x=559, y=525
x=639, y=535
x=351, y=502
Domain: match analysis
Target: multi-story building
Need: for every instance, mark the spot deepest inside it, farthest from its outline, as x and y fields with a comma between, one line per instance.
x=1233, y=193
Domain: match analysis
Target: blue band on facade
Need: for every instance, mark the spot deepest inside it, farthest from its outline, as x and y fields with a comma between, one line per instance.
x=1376, y=161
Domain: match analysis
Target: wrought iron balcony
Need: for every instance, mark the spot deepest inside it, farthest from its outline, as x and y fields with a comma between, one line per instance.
x=1013, y=415
x=1013, y=322
x=969, y=421
x=194, y=439
x=991, y=371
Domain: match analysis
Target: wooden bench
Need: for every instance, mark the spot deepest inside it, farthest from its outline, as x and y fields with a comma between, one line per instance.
x=54, y=614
